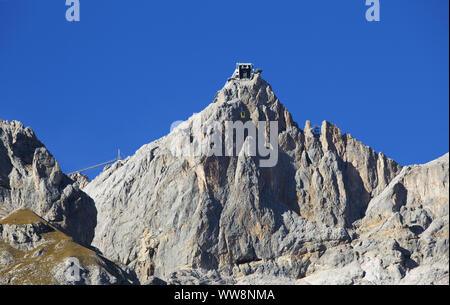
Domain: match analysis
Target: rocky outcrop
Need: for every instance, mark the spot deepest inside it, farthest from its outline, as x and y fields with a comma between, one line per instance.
x=403, y=238
x=419, y=194
x=79, y=180
x=33, y=252
x=163, y=213
x=31, y=178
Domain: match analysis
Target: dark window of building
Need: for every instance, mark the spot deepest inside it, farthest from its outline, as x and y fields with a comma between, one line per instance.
x=245, y=71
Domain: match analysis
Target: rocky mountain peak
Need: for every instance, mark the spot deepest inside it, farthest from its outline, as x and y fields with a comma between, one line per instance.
x=160, y=210
x=251, y=97
x=205, y=205
x=30, y=178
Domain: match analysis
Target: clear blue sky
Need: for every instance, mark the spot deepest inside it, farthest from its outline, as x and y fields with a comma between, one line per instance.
x=128, y=69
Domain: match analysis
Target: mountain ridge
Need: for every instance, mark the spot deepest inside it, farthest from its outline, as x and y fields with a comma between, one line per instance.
x=331, y=210
x=227, y=214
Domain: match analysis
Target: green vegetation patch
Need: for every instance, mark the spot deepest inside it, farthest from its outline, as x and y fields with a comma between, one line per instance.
x=29, y=269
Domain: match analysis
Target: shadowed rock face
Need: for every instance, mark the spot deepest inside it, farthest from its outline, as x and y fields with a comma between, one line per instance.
x=160, y=213
x=31, y=178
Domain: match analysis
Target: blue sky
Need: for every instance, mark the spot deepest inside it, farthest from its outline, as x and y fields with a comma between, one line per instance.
x=128, y=69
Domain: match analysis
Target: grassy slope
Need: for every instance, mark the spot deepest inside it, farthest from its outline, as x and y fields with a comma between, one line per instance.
x=37, y=270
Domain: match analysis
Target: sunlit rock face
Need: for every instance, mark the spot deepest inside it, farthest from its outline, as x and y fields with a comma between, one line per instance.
x=31, y=178
x=330, y=205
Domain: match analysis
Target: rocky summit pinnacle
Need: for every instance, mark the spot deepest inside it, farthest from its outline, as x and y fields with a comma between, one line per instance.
x=330, y=211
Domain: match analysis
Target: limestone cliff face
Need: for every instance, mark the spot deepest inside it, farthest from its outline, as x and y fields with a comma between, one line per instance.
x=45, y=219
x=31, y=178
x=160, y=212
x=402, y=239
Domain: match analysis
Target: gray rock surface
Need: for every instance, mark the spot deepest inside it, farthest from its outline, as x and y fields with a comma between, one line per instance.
x=332, y=211
x=79, y=180
x=31, y=178
x=199, y=277
x=24, y=236
x=153, y=280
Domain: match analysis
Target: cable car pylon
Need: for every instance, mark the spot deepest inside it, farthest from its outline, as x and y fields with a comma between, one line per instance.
x=97, y=165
